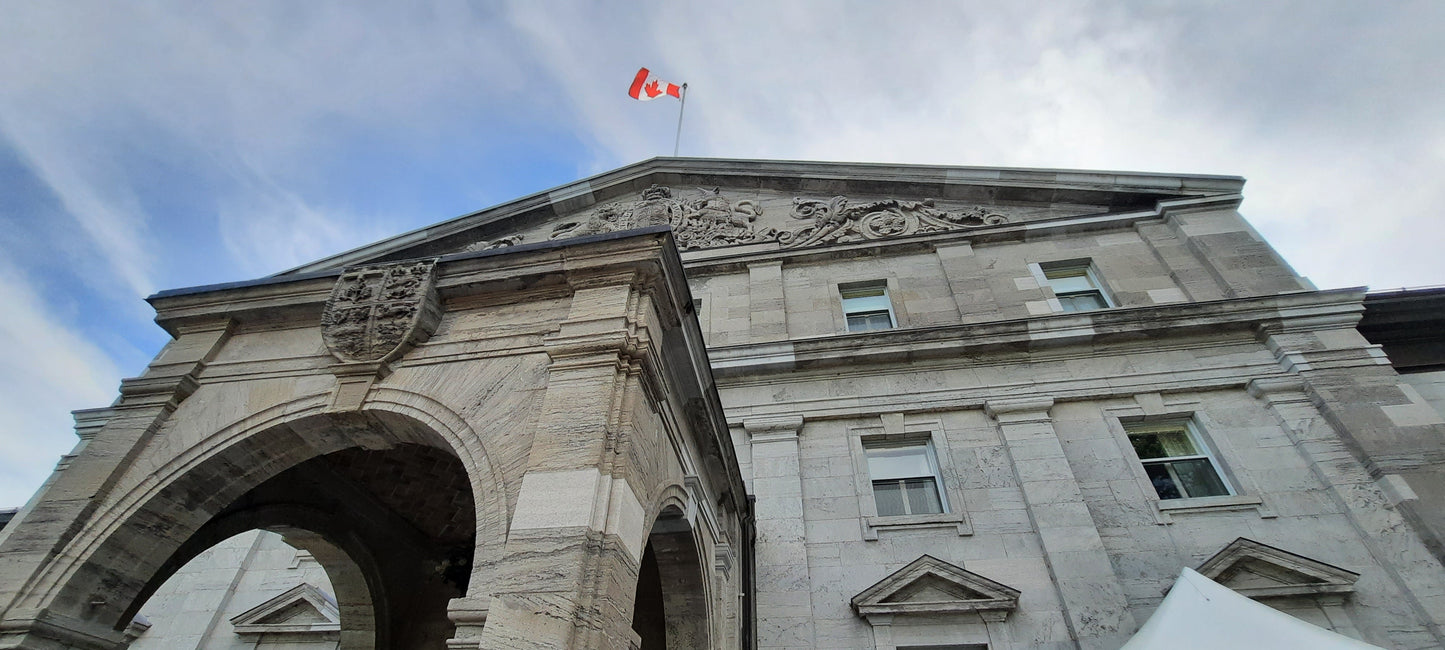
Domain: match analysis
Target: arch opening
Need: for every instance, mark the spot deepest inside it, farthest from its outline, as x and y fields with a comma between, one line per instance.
x=670, y=610
x=392, y=529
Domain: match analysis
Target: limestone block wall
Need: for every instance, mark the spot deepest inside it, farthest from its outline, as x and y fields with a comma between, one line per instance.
x=1195, y=256
x=1047, y=495
x=1430, y=386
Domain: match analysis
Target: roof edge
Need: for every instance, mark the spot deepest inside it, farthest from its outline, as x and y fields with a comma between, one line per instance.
x=1198, y=184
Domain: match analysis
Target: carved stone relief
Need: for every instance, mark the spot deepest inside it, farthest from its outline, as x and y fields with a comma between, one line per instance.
x=710, y=219
x=484, y=245
x=376, y=312
x=838, y=220
x=704, y=221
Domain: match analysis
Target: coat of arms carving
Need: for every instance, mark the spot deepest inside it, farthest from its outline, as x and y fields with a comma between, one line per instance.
x=377, y=312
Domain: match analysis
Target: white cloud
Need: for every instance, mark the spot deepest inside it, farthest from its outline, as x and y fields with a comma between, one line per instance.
x=1328, y=109
x=48, y=370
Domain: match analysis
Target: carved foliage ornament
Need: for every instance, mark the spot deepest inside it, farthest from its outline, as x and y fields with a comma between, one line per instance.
x=706, y=220
x=709, y=219
x=838, y=220
x=377, y=312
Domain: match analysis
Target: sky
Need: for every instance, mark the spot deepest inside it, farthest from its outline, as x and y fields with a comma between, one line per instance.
x=152, y=145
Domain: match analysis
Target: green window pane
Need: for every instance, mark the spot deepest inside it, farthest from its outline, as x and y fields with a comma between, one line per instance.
x=1163, y=444
x=888, y=495
x=1198, y=478
x=922, y=496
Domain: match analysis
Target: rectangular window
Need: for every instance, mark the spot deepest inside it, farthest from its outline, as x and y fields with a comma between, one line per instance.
x=905, y=479
x=1076, y=286
x=1178, y=464
x=867, y=307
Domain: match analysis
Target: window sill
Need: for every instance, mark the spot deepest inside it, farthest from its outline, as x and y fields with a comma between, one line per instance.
x=1165, y=509
x=874, y=523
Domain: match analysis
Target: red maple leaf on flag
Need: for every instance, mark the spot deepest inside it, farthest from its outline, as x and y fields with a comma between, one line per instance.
x=652, y=89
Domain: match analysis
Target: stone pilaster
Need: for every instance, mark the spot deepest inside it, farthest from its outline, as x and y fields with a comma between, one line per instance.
x=1092, y=598
x=967, y=281
x=768, y=316
x=568, y=575
x=1368, y=502
x=1385, y=423
x=783, y=584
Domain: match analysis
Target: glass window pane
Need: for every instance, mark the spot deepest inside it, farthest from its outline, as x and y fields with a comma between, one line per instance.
x=898, y=462
x=1163, y=482
x=870, y=321
x=923, y=496
x=1163, y=444
x=1073, y=282
x=873, y=303
x=1198, y=478
x=863, y=292
x=1082, y=301
x=888, y=495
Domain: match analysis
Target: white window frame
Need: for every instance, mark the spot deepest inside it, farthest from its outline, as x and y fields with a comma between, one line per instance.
x=1200, y=445
x=1086, y=266
x=930, y=456
x=867, y=305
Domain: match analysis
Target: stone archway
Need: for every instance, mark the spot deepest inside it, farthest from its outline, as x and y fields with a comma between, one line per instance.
x=566, y=381
x=402, y=516
x=671, y=611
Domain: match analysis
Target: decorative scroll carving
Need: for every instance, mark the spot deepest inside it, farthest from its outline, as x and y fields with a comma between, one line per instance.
x=484, y=245
x=377, y=312
x=704, y=221
x=710, y=220
x=836, y=220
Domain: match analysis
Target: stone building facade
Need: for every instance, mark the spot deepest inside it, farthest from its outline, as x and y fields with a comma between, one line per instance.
x=748, y=404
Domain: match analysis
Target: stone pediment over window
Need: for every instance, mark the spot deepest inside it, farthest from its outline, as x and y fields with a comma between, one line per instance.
x=303, y=609
x=1262, y=571
x=929, y=585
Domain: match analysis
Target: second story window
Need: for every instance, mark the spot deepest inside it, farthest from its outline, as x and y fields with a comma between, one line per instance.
x=1076, y=286
x=905, y=479
x=1176, y=460
x=867, y=307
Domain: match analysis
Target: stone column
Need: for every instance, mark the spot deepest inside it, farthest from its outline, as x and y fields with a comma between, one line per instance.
x=1092, y=598
x=1392, y=431
x=568, y=575
x=783, y=586
x=1372, y=505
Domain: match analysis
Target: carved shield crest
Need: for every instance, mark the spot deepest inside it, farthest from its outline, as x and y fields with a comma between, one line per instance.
x=377, y=312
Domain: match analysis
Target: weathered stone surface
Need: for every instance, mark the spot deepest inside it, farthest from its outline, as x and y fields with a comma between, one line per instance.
x=610, y=482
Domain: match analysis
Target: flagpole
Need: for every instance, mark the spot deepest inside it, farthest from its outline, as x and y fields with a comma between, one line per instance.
x=683, y=106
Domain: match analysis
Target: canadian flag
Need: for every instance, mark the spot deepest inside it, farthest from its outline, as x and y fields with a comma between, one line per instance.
x=646, y=87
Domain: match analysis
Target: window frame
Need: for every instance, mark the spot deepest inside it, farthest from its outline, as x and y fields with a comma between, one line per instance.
x=930, y=457
x=1086, y=269
x=867, y=305
x=891, y=428
x=1203, y=452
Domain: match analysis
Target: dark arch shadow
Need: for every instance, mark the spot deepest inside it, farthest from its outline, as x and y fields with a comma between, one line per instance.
x=671, y=607
x=278, y=478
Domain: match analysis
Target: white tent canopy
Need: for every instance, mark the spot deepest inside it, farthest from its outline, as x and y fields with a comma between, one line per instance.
x=1201, y=614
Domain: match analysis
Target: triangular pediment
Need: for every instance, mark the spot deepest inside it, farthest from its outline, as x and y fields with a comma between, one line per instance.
x=748, y=206
x=301, y=609
x=1263, y=571
x=929, y=585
